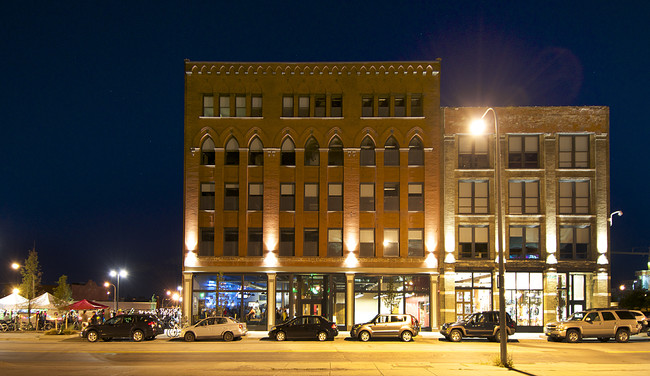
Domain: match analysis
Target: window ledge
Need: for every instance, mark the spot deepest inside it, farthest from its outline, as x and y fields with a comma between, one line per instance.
x=391, y=117
x=311, y=117
x=231, y=117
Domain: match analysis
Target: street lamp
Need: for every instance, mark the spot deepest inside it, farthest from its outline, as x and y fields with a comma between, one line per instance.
x=611, y=216
x=478, y=127
x=107, y=285
x=121, y=274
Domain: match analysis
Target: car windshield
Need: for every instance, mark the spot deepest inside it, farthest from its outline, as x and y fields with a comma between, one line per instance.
x=578, y=316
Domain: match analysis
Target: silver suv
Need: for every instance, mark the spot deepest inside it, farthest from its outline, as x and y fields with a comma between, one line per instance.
x=595, y=323
x=403, y=326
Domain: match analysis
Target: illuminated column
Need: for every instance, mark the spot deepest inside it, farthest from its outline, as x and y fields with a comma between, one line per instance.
x=549, y=203
x=271, y=214
x=551, y=297
x=270, y=301
x=448, y=298
x=349, y=300
x=351, y=207
x=449, y=201
x=187, y=297
x=599, y=287
x=433, y=301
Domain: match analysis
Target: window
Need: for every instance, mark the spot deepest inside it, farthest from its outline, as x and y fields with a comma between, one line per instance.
x=367, y=197
x=391, y=152
x=287, y=242
x=573, y=151
x=256, y=153
x=574, y=242
x=524, y=243
x=416, y=197
x=367, y=154
x=240, y=105
x=523, y=197
x=336, y=105
x=523, y=152
x=256, y=105
x=255, y=196
x=287, y=197
x=391, y=196
x=473, y=197
x=574, y=197
x=367, y=242
x=287, y=106
x=319, y=105
x=391, y=242
x=311, y=197
x=335, y=197
x=231, y=196
x=416, y=105
x=473, y=152
x=335, y=154
x=416, y=242
x=334, y=242
x=473, y=242
x=310, y=242
x=400, y=106
x=255, y=241
x=207, y=196
x=231, y=241
x=208, y=105
x=288, y=153
x=312, y=152
x=232, y=152
x=383, y=106
x=303, y=106
x=206, y=242
x=207, y=152
x=367, y=108
x=224, y=105
x=416, y=152
x=608, y=316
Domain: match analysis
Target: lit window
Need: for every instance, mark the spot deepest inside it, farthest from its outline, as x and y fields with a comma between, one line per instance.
x=224, y=105
x=473, y=152
x=367, y=242
x=311, y=196
x=335, y=197
x=334, y=242
x=391, y=242
x=240, y=105
x=416, y=243
x=367, y=197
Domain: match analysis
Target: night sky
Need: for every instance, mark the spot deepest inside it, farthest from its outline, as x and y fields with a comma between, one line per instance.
x=91, y=106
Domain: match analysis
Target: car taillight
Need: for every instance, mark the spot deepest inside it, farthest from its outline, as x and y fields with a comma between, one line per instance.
x=333, y=326
x=151, y=324
x=241, y=327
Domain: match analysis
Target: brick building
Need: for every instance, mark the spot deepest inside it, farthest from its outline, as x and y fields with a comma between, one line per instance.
x=345, y=190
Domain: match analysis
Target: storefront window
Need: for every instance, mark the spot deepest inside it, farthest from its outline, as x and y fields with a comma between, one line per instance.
x=524, y=297
x=473, y=293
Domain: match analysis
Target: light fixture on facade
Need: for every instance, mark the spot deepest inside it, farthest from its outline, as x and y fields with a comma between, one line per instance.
x=270, y=259
x=602, y=259
x=431, y=261
x=351, y=260
x=191, y=259
x=449, y=258
x=551, y=259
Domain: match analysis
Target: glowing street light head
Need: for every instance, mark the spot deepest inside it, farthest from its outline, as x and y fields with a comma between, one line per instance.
x=113, y=273
x=15, y=266
x=106, y=284
x=123, y=273
x=477, y=126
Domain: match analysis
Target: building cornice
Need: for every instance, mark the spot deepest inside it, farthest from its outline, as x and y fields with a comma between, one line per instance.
x=330, y=68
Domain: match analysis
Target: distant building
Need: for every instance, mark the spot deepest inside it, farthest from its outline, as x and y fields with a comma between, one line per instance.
x=345, y=190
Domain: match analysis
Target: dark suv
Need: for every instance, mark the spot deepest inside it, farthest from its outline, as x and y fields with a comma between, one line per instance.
x=479, y=324
x=135, y=326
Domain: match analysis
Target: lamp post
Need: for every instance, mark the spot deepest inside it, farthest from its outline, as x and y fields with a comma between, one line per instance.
x=477, y=127
x=107, y=285
x=115, y=274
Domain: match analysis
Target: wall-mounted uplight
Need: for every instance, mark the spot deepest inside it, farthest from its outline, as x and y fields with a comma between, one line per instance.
x=431, y=261
x=270, y=259
x=190, y=259
x=351, y=260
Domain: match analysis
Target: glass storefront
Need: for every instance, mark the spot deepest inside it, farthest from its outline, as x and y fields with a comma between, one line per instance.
x=311, y=294
x=524, y=297
x=570, y=294
x=473, y=293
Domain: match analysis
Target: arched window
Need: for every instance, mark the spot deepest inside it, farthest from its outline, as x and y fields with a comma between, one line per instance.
x=335, y=154
x=367, y=155
x=416, y=152
x=288, y=153
x=207, y=152
x=391, y=152
x=256, y=153
x=312, y=152
x=232, y=152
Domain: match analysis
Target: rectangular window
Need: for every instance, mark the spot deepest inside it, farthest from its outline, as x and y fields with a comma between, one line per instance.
x=416, y=105
x=523, y=197
x=319, y=105
x=303, y=106
x=524, y=243
x=335, y=197
x=367, y=242
x=255, y=242
x=336, y=105
x=224, y=105
x=574, y=242
x=416, y=242
x=207, y=196
x=367, y=106
x=311, y=196
x=287, y=106
x=208, y=105
x=523, y=152
x=573, y=151
x=473, y=152
x=400, y=106
x=231, y=241
x=416, y=197
x=255, y=196
x=574, y=197
x=240, y=105
x=231, y=196
x=287, y=242
x=310, y=242
x=334, y=242
x=473, y=197
x=367, y=197
x=383, y=106
x=391, y=242
x=256, y=105
x=206, y=241
x=287, y=197
x=473, y=242
x=391, y=196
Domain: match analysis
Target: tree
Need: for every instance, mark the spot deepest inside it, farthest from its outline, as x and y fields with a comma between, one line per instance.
x=635, y=299
x=31, y=272
x=63, y=290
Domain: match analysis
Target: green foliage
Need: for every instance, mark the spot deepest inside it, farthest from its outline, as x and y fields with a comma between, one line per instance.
x=63, y=290
x=31, y=272
x=496, y=361
x=635, y=299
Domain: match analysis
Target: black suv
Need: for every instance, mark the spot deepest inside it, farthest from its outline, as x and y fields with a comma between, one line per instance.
x=479, y=324
x=135, y=326
x=316, y=327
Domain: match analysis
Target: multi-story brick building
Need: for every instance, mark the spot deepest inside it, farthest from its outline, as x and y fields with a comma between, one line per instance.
x=345, y=190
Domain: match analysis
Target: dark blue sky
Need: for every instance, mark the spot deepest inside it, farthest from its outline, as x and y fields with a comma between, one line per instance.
x=91, y=104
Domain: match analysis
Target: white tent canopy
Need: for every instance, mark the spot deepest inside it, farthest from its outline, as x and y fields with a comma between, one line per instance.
x=11, y=302
x=45, y=301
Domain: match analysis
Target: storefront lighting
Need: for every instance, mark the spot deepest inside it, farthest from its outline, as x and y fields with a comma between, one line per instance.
x=602, y=260
x=431, y=261
x=270, y=259
x=449, y=258
x=190, y=259
x=551, y=259
x=351, y=260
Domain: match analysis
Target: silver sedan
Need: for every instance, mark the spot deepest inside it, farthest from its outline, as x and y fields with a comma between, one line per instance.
x=225, y=328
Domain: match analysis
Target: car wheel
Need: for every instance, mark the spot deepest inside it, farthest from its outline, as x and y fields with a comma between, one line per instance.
x=92, y=336
x=406, y=336
x=622, y=335
x=573, y=336
x=456, y=335
x=280, y=336
x=106, y=339
x=228, y=336
x=497, y=336
x=322, y=336
x=189, y=337
x=137, y=335
x=603, y=339
x=364, y=336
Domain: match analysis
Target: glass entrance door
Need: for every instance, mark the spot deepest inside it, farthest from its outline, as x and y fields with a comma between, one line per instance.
x=312, y=308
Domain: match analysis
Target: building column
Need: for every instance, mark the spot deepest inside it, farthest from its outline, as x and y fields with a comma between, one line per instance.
x=433, y=301
x=187, y=297
x=551, y=295
x=349, y=300
x=448, y=298
x=270, y=301
x=599, y=289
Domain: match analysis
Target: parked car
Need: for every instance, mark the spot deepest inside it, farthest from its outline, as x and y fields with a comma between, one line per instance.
x=135, y=326
x=642, y=319
x=479, y=324
x=316, y=327
x=403, y=326
x=597, y=323
x=225, y=328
